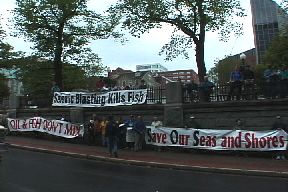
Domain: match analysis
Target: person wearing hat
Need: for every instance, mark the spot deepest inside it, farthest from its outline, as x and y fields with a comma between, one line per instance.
x=278, y=125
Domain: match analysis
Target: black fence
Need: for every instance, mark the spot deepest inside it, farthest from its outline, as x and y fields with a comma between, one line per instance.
x=248, y=91
x=156, y=95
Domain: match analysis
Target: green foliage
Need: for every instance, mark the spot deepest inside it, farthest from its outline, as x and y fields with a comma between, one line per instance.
x=4, y=90
x=37, y=78
x=61, y=29
x=191, y=19
x=277, y=53
x=224, y=68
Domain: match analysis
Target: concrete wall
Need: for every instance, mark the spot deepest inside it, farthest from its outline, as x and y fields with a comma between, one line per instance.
x=256, y=115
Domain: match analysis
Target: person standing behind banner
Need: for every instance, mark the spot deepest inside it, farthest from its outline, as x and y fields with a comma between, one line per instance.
x=278, y=125
x=54, y=88
x=236, y=79
x=97, y=130
x=112, y=132
x=91, y=135
x=157, y=123
x=129, y=124
x=139, y=132
x=103, y=126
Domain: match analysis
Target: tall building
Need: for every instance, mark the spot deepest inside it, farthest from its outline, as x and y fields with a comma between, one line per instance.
x=268, y=20
x=185, y=76
x=156, y=67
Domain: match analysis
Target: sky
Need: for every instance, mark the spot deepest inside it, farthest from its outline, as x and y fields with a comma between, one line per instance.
x=144, y=50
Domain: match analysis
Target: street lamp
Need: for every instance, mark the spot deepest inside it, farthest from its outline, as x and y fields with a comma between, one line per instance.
x=243, y=58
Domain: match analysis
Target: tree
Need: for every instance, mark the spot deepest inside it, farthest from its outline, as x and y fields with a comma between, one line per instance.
x=61, y=29
x=37, y=78
x=191, y=17
x=4, y=90
x=277, y=54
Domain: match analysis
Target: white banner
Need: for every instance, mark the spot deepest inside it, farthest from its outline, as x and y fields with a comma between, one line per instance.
x=53, y=127
x=111, y=98
x=217, y=139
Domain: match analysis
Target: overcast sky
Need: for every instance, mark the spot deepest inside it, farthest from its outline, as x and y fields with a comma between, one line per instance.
x=145, y=50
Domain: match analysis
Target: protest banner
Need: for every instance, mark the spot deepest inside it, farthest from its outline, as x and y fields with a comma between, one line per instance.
x=211, y=139
x=53, y=127
x=111, y=98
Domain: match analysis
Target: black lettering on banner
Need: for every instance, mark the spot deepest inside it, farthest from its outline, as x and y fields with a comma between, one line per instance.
x=78, y=98
x=13, y=124
x=196, y=139
x=174, y=134
x=84, y=99
x=148, y=131
x=55, y=98
x=110, y=98
x=103, y=98
x=123, y=98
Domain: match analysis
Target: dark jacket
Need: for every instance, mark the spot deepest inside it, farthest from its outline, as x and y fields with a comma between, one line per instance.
x=112, y=129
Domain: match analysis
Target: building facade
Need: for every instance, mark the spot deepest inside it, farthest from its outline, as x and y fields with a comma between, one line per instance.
x=185, y=76
x=156, y=67
x=268, y=20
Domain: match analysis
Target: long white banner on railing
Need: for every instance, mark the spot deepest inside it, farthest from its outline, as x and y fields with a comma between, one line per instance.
x=53, y=127
x=218, y=139
x=111, y=98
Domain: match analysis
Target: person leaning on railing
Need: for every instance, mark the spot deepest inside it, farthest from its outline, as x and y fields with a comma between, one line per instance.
x=248, y=77
x=236, y=79
x=284, y=82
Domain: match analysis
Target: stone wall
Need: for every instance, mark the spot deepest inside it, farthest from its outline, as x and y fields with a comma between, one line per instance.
x=256, y=115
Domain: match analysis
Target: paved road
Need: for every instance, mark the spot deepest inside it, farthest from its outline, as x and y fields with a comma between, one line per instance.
x=26, y=171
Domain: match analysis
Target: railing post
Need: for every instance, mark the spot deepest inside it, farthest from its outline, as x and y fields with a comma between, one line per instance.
x=173, y=110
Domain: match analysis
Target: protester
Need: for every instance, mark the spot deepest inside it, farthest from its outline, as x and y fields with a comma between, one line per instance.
x=236, y=79
x=248, y=77
x=55, y=88
x=122, y=133
x=278, y=125
x=239, y=125
x=156, y=122
x=112, y=132
x=139, y=132
x=272, y=82
x=91, y=135
x=129, y=124
x=103, y=126
x=284, y=82
x=97, y=130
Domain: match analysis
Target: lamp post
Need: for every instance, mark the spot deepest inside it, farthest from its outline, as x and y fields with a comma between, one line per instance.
x=243, y=58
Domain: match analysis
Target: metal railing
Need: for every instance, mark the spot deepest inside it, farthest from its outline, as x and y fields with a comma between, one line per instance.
x=249, y=91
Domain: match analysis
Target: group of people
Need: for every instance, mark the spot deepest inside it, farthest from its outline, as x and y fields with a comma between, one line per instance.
x=117, y=133
x=276, y=82
x=239, y=77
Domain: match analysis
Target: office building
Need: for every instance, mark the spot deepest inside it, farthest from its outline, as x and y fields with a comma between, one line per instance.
x=268, y=20
x=156, y=67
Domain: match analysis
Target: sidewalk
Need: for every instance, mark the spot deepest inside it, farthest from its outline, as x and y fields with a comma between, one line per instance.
x=207, y=161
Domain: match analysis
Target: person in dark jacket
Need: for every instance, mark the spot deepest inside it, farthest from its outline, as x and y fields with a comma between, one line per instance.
x=112, y=133
x=139, y=130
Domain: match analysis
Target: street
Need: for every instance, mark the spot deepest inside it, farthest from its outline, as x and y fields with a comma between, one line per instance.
x=26, y=171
